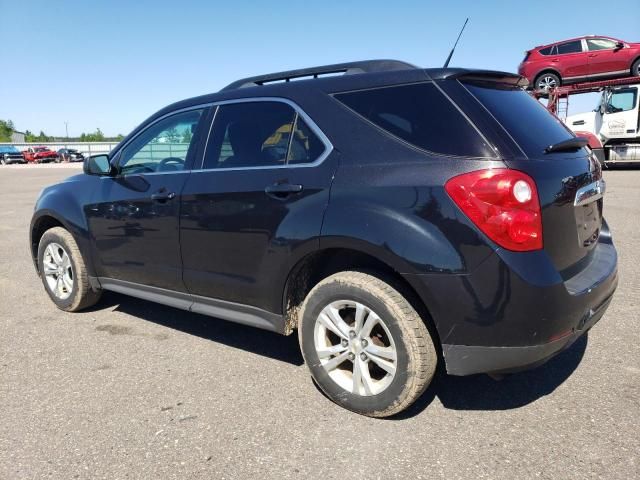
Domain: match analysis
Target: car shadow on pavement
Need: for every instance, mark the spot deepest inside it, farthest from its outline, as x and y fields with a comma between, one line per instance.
x=250, y=339
x=476, y=392
x=480, y=392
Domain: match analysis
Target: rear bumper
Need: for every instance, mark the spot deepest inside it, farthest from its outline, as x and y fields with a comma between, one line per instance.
x=467, y=360
x=515, y=311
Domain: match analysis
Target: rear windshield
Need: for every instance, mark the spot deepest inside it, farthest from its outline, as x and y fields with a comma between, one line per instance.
x=420, y=115
x=530, y=125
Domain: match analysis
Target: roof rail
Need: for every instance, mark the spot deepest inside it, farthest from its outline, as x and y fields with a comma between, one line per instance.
x=366, y=66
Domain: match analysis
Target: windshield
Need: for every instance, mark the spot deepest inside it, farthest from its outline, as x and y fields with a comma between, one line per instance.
x=525, y=119
x=40, y=149
x=8, y=149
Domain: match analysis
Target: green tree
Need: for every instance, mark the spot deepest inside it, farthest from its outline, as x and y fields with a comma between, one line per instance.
x=6, y=128
x=172, y=135
x=187, y=136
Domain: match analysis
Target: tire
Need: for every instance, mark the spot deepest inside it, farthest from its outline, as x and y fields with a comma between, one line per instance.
x=635, y=68
x=400, y=332
x=3, y=161
x=547, y=80
x=75, y=293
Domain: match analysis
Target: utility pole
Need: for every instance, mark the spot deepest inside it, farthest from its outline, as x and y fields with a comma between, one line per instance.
x=66, y=129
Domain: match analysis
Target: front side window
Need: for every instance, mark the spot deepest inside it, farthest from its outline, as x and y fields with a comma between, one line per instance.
x=418, y=114
x=600, y=44
x=622, y=100
x=260, y=134
x=570, y=47
x=163, y=147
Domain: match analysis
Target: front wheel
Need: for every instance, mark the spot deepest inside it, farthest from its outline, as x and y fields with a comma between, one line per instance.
x=635, y=69
x=63, y=271
x=547, y=81
x=366, y=346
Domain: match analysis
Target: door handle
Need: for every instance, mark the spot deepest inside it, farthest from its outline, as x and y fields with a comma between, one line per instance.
x=282, y=190
x=162, y=196
x=593, y=54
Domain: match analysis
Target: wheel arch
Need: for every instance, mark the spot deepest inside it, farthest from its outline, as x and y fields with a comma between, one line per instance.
x=547, y=70
x=322, y=263
x=45, y=219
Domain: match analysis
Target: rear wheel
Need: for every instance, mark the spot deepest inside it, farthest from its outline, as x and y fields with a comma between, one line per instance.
x=63, y=271
x=546, y=81
x=635, y=69
x=366, y=346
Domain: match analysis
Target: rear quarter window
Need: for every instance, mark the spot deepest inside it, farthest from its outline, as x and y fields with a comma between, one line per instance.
x=528, y=123
x=420, y=115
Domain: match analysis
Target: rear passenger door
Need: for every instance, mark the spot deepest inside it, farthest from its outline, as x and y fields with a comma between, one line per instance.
x=572, y=60
x=256, y=204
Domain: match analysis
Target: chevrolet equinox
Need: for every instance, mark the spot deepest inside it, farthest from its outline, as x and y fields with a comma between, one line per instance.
x=395, y=217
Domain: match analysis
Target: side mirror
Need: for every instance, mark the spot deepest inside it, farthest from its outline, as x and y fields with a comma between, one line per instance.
x=619, y=45
x=97, y=165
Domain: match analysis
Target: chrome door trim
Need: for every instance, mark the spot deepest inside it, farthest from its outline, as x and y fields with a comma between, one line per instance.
x=328, y=146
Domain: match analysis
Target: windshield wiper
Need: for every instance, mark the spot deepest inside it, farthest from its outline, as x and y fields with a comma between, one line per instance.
x=569, y=145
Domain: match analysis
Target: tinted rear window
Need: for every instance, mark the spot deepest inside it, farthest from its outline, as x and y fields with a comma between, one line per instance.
x=531, y=126
x=420, y=115
x=570, y=47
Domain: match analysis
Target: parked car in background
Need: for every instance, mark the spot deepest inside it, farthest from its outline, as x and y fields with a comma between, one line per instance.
x=395, y=216
x=580, y=59
x=70, y=155
x=39, y=155
x=10, y=154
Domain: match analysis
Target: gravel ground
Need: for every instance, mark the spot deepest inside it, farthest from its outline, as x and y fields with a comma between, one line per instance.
x=136, y=390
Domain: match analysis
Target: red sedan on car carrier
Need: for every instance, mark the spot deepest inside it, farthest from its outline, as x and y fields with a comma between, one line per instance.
x=580, y=59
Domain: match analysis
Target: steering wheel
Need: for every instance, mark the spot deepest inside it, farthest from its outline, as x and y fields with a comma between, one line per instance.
x=166, y=161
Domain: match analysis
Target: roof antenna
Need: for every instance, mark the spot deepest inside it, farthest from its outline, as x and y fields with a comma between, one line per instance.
x=446, y=64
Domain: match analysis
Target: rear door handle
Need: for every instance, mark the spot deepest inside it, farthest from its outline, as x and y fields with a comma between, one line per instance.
x=282, y=190
x=162, y=196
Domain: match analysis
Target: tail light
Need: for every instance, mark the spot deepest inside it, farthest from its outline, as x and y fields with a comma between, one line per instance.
x=503, y=203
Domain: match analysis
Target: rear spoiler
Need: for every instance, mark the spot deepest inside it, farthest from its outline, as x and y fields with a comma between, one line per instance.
x=493, y=76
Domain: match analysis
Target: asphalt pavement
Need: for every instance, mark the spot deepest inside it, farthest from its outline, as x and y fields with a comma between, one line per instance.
x=130, y=389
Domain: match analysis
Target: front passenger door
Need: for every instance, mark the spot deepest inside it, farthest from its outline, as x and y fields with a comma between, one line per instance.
x=134, y=219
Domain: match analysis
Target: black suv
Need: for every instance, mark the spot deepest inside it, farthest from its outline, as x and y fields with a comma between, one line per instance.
x=396, y=217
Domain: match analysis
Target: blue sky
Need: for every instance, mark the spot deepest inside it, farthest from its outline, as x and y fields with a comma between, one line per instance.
x=110, y=64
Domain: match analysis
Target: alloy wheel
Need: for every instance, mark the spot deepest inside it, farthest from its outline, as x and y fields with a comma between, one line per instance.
x=547, y=82
x=355, y=347
x=58, y=271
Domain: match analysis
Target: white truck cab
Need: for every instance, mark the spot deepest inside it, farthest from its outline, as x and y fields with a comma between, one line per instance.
x=616, y=122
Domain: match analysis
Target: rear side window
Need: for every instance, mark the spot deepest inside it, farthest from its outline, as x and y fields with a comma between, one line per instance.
x=546, y=51
x=305, y=146
x=570, y=47
x=420, y=115
x=259, y=134
x=530, y=125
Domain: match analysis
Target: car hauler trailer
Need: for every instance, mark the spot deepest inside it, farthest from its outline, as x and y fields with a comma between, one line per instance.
x=616, y=121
